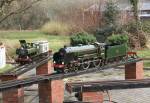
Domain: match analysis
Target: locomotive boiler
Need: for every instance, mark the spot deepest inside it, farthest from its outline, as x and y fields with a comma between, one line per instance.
x=82, y=57
x=27, y=52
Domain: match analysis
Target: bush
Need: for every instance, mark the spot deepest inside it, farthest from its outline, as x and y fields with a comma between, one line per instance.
x=117, y=39
x=56, y=28
x=131, y=27
x=82, y=38
x=137, y=42
x=102, y=33
x=137, y=37
x=146, y=26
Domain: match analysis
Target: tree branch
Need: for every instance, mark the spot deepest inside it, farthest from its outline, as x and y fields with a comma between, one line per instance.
x=5, y=2
x=19, y=11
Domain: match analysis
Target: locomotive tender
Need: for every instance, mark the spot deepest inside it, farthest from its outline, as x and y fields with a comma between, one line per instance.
x=82, y=57
x=27, y=52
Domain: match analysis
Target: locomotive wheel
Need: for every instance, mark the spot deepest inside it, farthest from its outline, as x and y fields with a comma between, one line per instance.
x=85, y=64
x=106, y=61
x=124, y=58
x=75, y=68
x=66, y=71
x=117, y=59
x=102, y=62
x=97, y=62
x=72, y=68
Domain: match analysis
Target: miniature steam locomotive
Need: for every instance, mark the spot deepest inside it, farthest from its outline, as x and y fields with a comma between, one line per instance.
x=71, y=59
x=27, y=52
x=76, y=58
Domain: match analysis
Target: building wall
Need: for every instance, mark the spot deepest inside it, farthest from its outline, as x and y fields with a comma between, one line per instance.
x=2, y=56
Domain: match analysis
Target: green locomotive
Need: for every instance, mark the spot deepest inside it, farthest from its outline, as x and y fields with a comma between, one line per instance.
x=76, y=58
x=29, y=51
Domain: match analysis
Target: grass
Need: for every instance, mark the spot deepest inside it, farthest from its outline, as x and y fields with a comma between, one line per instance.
x=145, y=54
x=57, y=28
x=146, y=63
x=6, y=68
x=11, y=39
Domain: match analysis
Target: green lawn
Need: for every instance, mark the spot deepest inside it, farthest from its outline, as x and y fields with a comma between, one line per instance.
x=10, y=39
x=145, y=54
x=6, y=68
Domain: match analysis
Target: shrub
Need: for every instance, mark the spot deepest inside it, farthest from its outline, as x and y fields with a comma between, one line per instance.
x=108, y=30
x=132, y=27
x=82, y=38
x=102, y=33
x=117, y=39
x=137, y=42
x=146, y=26
x=56, y=28
x=137, y=37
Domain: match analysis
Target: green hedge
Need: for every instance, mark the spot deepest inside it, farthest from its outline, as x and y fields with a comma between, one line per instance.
x=82, y=38
x=117, y=39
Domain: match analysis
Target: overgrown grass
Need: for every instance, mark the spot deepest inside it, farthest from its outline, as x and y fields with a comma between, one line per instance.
x=11, y=39
x=56, y=28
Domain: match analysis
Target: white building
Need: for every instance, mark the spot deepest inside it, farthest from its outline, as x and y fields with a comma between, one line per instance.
x=2, y=56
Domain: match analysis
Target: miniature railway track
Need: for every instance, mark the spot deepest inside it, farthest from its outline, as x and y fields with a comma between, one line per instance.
x=39, y=78
x=18, y=70
x=146, y=58
x=107, y=85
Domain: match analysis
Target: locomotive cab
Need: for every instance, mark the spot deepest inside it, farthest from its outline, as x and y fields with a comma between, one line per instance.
x=23, y=43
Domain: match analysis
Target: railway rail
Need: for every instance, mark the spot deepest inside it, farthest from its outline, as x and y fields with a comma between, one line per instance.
x=146, y=58
x=107, y=85
x=19, y=70
x=39, y=78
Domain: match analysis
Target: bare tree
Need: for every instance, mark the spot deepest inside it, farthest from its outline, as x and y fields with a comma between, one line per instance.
x=6, y=11
x=3, y=3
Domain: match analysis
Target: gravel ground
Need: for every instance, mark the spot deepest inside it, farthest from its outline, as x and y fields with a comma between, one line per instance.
x=131, y=95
